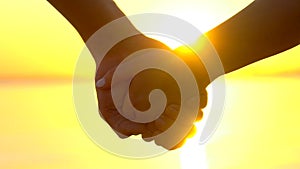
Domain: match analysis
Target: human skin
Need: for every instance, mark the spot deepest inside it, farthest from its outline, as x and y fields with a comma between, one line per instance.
x=100, y=13
x=264, y=28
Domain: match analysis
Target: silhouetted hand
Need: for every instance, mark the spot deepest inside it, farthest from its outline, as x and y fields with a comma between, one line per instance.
x=141, y=86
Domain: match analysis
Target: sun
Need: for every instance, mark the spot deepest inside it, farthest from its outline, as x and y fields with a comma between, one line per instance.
x=170, y=42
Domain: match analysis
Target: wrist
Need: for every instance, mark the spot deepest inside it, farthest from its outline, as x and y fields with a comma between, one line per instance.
x=195, y=64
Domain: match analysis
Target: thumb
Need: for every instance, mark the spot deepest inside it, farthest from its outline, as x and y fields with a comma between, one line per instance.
x=104, y=83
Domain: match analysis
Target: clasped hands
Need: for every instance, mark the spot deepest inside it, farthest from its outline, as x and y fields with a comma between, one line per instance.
x=140, y=88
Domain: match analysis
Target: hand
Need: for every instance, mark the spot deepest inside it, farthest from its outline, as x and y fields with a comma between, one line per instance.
x=141, y=86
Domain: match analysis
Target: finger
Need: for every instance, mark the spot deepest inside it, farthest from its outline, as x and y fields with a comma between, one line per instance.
x=180, y=144
x=105, y=102
x=191, y=134
x=172, y=111
x=170, y=139
x=114, y=118
x=148, y=134
x=122, y=136
x=166, y=119
x=203, y=104
x=177, y=138
x=104, y=83
x=165, y=140
x=203, y=99
x=127, y=110
x=123, y=125
x=105, y=117
x=163, y=123
x=199, y=115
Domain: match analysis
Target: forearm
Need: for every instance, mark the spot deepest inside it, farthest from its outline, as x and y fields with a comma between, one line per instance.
x=87, y=16
x=263, y=29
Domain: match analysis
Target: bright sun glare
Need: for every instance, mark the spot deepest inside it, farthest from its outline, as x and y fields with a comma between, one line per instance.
x=172, y=43
x=193, y=155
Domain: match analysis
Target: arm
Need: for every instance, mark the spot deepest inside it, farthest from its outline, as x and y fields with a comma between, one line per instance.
x=87, y=16
x=263, y=29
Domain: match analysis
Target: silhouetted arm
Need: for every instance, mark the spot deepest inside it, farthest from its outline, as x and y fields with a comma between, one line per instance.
x=87, y=16
x=263, y=29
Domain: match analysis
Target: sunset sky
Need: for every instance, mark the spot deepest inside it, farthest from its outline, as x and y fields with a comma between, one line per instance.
x=38, y=123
